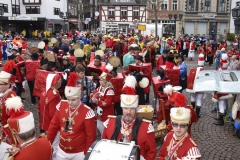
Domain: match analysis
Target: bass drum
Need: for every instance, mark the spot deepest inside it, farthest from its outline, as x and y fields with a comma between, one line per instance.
x=112, y=150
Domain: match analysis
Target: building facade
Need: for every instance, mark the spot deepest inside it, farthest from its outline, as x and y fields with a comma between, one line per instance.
x=32, y=15
x=121, y=15
x=207, y=18
x=164, y=8
x=234, y=23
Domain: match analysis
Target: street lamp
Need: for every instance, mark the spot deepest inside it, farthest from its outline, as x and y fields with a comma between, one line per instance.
x=1, y=11
x=65, y=17
x=175, y=17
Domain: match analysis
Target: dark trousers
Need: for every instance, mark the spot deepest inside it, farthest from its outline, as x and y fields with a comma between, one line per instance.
x=185, y=52
x=147, y=97
x=19, y=87
x=31, y=87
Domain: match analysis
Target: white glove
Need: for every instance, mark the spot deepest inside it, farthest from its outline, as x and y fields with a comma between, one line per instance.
x=99, y=111
x=64, y=76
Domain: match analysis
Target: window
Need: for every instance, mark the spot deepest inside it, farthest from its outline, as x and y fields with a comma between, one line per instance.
x=135, y=12
x=164, y=4
x=111, y=11
x=56, y=11
x=237, y=4
x=197, y=4
x=31, y=1
x=32, y=10
x=207, y=6
x=5, y=7
x=237, y=29
x=191, y=5
x=222, y=6
x=15, y=9
x=174, y=5
x=123, y=11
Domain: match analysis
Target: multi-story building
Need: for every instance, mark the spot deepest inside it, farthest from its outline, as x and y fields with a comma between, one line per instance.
x=32, y=15
x=235, y=23
x=207, y=18
x=123, y=15
x=163, y=8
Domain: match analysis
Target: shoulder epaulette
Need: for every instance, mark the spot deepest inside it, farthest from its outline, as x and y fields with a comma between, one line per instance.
x=111, y=116
x=87, y=107
x=6, y=126
x=145, y=120
x=63, y=100
x=12, y=95
x=54, y=92
x=193, y=142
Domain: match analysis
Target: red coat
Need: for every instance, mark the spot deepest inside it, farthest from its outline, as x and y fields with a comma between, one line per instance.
x=187, y=149
x=187, y=45
x=145, y=139
x=106, y=96
x=7, y=137
x=83, y=132
x=170, y=42
x=201, y=50
x=160, y=62
x=192, y=46
x=8, y=94
x=191, y=78
x=47, y=107
x=40, y=149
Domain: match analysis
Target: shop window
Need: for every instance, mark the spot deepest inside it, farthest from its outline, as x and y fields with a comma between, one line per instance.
x=15, y=9
x=123, y=12
x=222, y=6
x=207, y=6
x=135, y=12
x=56, y=11
x=32, y=10
x=237, y=29
x=5, y=7
x=191, y=5
x=174, y=5
x=31, y=1
x=164, y=4
x=111, y=11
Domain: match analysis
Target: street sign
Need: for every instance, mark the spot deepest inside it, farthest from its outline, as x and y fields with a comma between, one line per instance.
x=96, y=13
x=86, y=22
x=88, y=19
x=141, y=27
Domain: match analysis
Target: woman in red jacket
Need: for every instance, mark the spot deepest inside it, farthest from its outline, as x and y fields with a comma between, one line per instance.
x=103, y=97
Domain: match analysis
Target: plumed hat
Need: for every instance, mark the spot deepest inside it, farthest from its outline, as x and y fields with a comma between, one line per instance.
x=106, y=72
x=180, y=115
x=72, y=90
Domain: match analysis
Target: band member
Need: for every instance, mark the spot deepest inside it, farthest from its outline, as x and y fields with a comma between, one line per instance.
x=191, y=49
x=103, y=97
x=161, y=60
x=22, y=126
x=178, y=144
x=49, y=99
x=6, y=79
x=31, y=67
x=196, y=98
x=129, y=127
x=75, y=122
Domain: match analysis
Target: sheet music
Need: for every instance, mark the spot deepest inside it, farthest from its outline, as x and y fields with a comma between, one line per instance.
x=3, y=149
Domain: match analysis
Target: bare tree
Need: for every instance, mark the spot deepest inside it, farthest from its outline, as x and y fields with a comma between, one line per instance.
x=153, y=6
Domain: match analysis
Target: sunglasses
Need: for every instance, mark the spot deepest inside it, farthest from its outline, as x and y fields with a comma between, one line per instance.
x=176, y=125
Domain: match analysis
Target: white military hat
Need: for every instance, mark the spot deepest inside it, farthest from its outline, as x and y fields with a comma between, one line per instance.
x=72, y=90
x=180, y=115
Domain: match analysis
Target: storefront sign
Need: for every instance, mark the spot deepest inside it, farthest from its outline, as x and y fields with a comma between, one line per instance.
x=23, y=18
x=122, y=1
x=208, y=16
x=141, y=27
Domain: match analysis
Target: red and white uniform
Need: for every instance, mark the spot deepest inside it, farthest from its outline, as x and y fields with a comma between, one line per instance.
x=195, y=97
x=145, y=138
x=47, y=106
x=37, y=149
x=235, y=41
x=104, y=95
x=3, y=97
x=191, y=49
x=185, y=148
x=82, y=134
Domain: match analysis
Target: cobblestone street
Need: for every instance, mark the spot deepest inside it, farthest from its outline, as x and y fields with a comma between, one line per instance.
x=215, y=142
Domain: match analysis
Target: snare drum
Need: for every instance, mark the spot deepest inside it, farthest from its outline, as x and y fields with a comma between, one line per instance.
x=112, y=150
